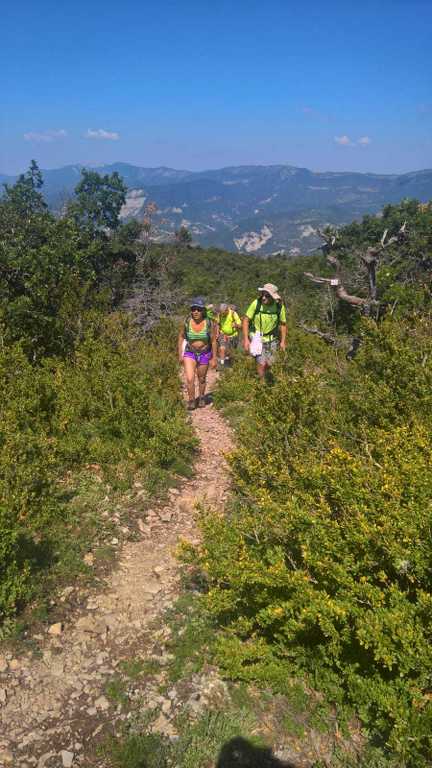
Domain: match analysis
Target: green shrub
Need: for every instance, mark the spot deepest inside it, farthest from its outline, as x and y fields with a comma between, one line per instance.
x=121, y=396
x=27, y=472
x=116, y=403
x=324, y=563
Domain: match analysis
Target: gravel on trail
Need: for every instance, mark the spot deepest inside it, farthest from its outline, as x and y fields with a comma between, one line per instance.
x=54, y=706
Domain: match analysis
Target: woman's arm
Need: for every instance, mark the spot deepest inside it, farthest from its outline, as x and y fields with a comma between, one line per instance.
x=181, y=338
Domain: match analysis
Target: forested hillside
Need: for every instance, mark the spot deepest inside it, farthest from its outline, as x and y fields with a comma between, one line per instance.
x=319, y=570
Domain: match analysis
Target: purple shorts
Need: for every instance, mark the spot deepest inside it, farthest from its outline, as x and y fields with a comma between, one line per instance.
x=201, y=358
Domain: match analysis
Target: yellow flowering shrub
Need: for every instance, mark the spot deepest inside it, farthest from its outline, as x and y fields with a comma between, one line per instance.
x=324, y=563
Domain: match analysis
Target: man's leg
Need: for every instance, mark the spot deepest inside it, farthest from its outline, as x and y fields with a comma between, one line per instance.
x=261, y=365
x=261, y=370
x=265, y=360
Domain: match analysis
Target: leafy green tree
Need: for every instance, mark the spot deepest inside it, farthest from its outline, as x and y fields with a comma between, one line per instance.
x=25, y=196
x=98, y=201
x=55, y=271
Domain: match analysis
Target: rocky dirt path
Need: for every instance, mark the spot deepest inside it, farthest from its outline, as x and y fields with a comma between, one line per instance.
x=54, y=709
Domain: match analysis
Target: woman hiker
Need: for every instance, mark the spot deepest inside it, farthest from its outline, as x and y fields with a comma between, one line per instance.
x=229, y=325
x=264, y=327
x=197, y=349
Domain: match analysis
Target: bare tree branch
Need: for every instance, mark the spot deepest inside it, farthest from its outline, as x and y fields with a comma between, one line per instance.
x=341, y=292
x=334, y=262
x=319, y=279
x=329, y=240
x=327, y=337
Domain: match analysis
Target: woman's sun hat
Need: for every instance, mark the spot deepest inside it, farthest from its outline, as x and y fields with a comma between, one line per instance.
x=271, y=289
x=199, y=302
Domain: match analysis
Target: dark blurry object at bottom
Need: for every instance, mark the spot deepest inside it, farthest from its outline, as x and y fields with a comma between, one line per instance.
x=239, y=753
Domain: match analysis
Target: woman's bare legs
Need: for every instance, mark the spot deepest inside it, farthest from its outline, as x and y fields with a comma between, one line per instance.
x=190, y=366
x=202, y=374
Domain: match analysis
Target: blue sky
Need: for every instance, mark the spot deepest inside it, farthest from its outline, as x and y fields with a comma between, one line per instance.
x=326, y=85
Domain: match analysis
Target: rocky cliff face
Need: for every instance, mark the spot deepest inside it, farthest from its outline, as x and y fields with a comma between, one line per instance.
x=260, y=209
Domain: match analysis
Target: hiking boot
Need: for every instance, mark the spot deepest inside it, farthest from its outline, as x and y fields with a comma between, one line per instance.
x=191, y=405
x=201, y=402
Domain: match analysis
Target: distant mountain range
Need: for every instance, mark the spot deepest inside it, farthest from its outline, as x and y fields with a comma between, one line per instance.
x=260, y=209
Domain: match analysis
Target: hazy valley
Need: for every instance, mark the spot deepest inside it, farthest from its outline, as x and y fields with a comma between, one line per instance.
x=251, y=209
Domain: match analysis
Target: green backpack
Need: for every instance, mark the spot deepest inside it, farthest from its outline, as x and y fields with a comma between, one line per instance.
x=277, y=313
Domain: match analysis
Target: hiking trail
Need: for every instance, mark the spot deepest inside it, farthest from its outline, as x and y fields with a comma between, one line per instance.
x=53, y=704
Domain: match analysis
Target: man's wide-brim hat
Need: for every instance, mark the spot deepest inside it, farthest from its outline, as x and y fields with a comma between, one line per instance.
x=271, y=289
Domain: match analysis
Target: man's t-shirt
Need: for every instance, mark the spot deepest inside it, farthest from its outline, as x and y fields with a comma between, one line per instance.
x=228, y=322
x=266, y=320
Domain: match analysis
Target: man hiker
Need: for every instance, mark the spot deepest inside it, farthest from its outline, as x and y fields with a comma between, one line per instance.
x=229, y=324
x=264, y=327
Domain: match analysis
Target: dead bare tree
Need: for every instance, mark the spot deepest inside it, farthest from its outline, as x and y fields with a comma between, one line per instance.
x=147, y=224
x=152, y=296
x=369, y=261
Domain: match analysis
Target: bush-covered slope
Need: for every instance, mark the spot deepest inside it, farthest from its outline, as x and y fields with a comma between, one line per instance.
x=79, y=390
x=324, y=563
x=323, y=566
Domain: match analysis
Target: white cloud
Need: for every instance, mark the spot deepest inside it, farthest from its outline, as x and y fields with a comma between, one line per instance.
x=344, y=141
x=101, y=133
x=45, y=136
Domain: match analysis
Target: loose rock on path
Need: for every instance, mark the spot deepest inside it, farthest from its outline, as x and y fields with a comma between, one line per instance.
x=54, y=709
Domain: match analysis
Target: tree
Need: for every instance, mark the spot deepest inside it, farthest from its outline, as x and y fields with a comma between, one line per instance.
x=98, y=201
x=369, y=260
x=52, y=270
x=24, y=196
x=183, y=237
x=365, y=277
